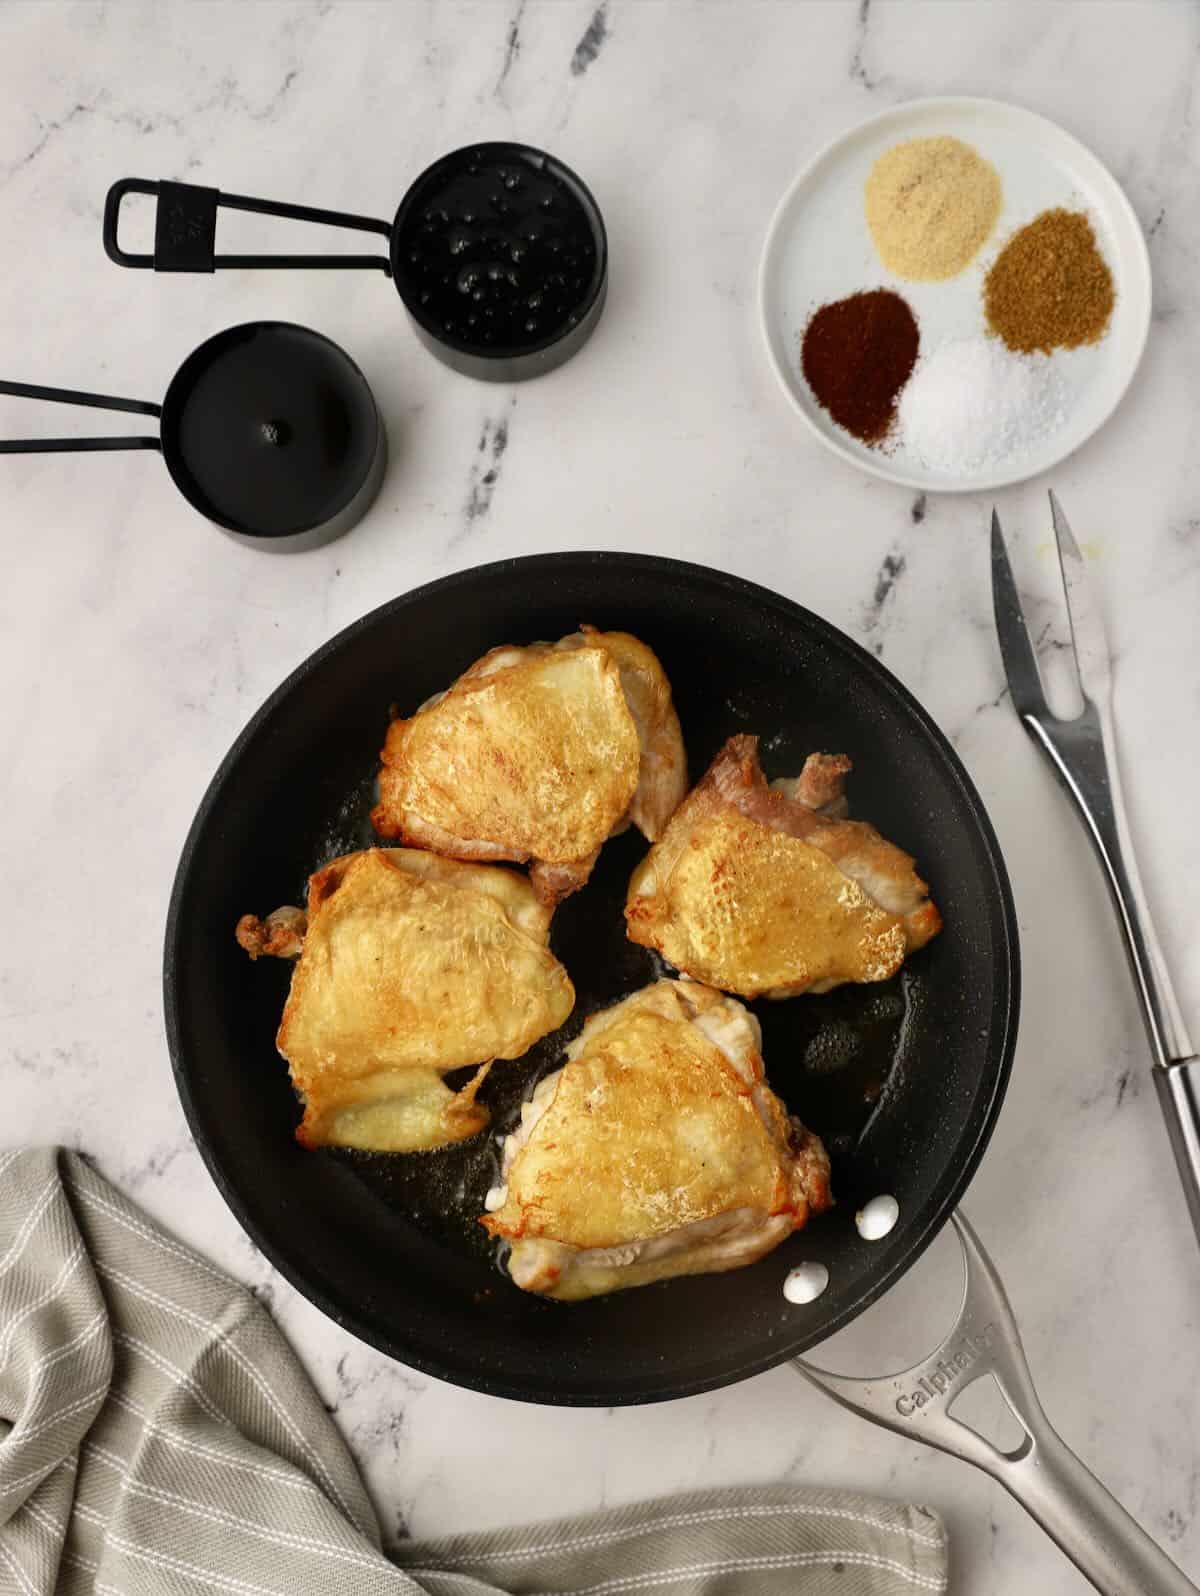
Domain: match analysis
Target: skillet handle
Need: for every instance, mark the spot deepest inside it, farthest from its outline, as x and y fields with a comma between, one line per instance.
x=185, y=230
x=71, y=396
x=1042, y=1473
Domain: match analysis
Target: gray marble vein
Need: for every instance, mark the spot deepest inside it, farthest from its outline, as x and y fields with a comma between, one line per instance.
x=858, y=68
x=587, y=51
x=483, y=477
x=887, y=580
x=512, y=48
x=47, y=130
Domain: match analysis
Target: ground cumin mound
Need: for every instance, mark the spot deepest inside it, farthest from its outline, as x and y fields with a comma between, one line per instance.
x=1050, y=287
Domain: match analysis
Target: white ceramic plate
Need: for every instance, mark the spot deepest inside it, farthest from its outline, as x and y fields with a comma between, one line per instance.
x=818, y=249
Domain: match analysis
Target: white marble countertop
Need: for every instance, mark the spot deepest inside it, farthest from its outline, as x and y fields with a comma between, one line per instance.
x=136, y=641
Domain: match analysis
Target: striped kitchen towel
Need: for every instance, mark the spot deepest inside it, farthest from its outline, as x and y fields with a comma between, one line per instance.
x=157, y=1435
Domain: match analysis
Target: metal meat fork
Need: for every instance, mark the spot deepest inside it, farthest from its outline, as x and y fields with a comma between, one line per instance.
x=1083, y=753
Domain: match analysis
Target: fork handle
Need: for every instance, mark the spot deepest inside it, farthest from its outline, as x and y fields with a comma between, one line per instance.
x=1178, y=1085
x=1083, y=755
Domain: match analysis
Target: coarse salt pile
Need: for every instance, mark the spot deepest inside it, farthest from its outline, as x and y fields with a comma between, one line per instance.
x=971, y=405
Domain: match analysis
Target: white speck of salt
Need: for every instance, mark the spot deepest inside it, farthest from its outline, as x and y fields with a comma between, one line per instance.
x=877, y=1218
x=806, y=1282
x=972, y=405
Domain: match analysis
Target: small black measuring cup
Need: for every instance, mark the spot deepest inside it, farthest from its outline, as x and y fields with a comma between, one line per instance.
x=268, y=429
x=498, y=252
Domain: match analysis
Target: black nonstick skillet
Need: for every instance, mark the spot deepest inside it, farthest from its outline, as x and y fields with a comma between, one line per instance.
x=903, y=1080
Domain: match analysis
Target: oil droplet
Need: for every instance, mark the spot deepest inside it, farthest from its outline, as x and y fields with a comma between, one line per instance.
x=877, y=1218
x=833, y=1047
x=806, y=1282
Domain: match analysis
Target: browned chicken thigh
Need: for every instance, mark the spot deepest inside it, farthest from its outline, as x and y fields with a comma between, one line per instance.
x=409, y=966
x=538, y=754
x=767, y=891
x=657, y=1150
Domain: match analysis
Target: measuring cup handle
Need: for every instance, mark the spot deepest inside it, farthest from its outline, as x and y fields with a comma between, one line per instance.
x=73, y=396
x=185, y=230
x=1042, y=1473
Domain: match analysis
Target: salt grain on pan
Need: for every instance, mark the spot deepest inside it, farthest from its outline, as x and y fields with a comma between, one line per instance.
x=971, y=406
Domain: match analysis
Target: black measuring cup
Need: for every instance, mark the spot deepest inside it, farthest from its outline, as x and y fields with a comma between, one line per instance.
x=268, y=429
x=497, y=250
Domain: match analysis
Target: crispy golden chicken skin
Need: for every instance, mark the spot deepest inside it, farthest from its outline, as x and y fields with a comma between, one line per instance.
x=657, y=1150
x=409, y=966
x=767, y=891
x=538, y=754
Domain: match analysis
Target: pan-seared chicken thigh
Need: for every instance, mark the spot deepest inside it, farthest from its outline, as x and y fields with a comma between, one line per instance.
x=656, y=1150
x=767, y=891
x=538, y=754
x=409, y=966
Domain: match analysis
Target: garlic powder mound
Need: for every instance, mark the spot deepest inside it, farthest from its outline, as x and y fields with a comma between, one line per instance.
x=931, y=204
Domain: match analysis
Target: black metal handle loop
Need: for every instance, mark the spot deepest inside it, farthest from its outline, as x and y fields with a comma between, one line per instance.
x=185, y=230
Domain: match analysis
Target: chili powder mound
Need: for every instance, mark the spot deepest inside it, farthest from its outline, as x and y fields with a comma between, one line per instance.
x=1050, y=287
x=857, y=354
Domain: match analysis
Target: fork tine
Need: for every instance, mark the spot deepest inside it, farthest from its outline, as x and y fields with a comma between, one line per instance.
x=1020, y=662
x=1087, y=629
